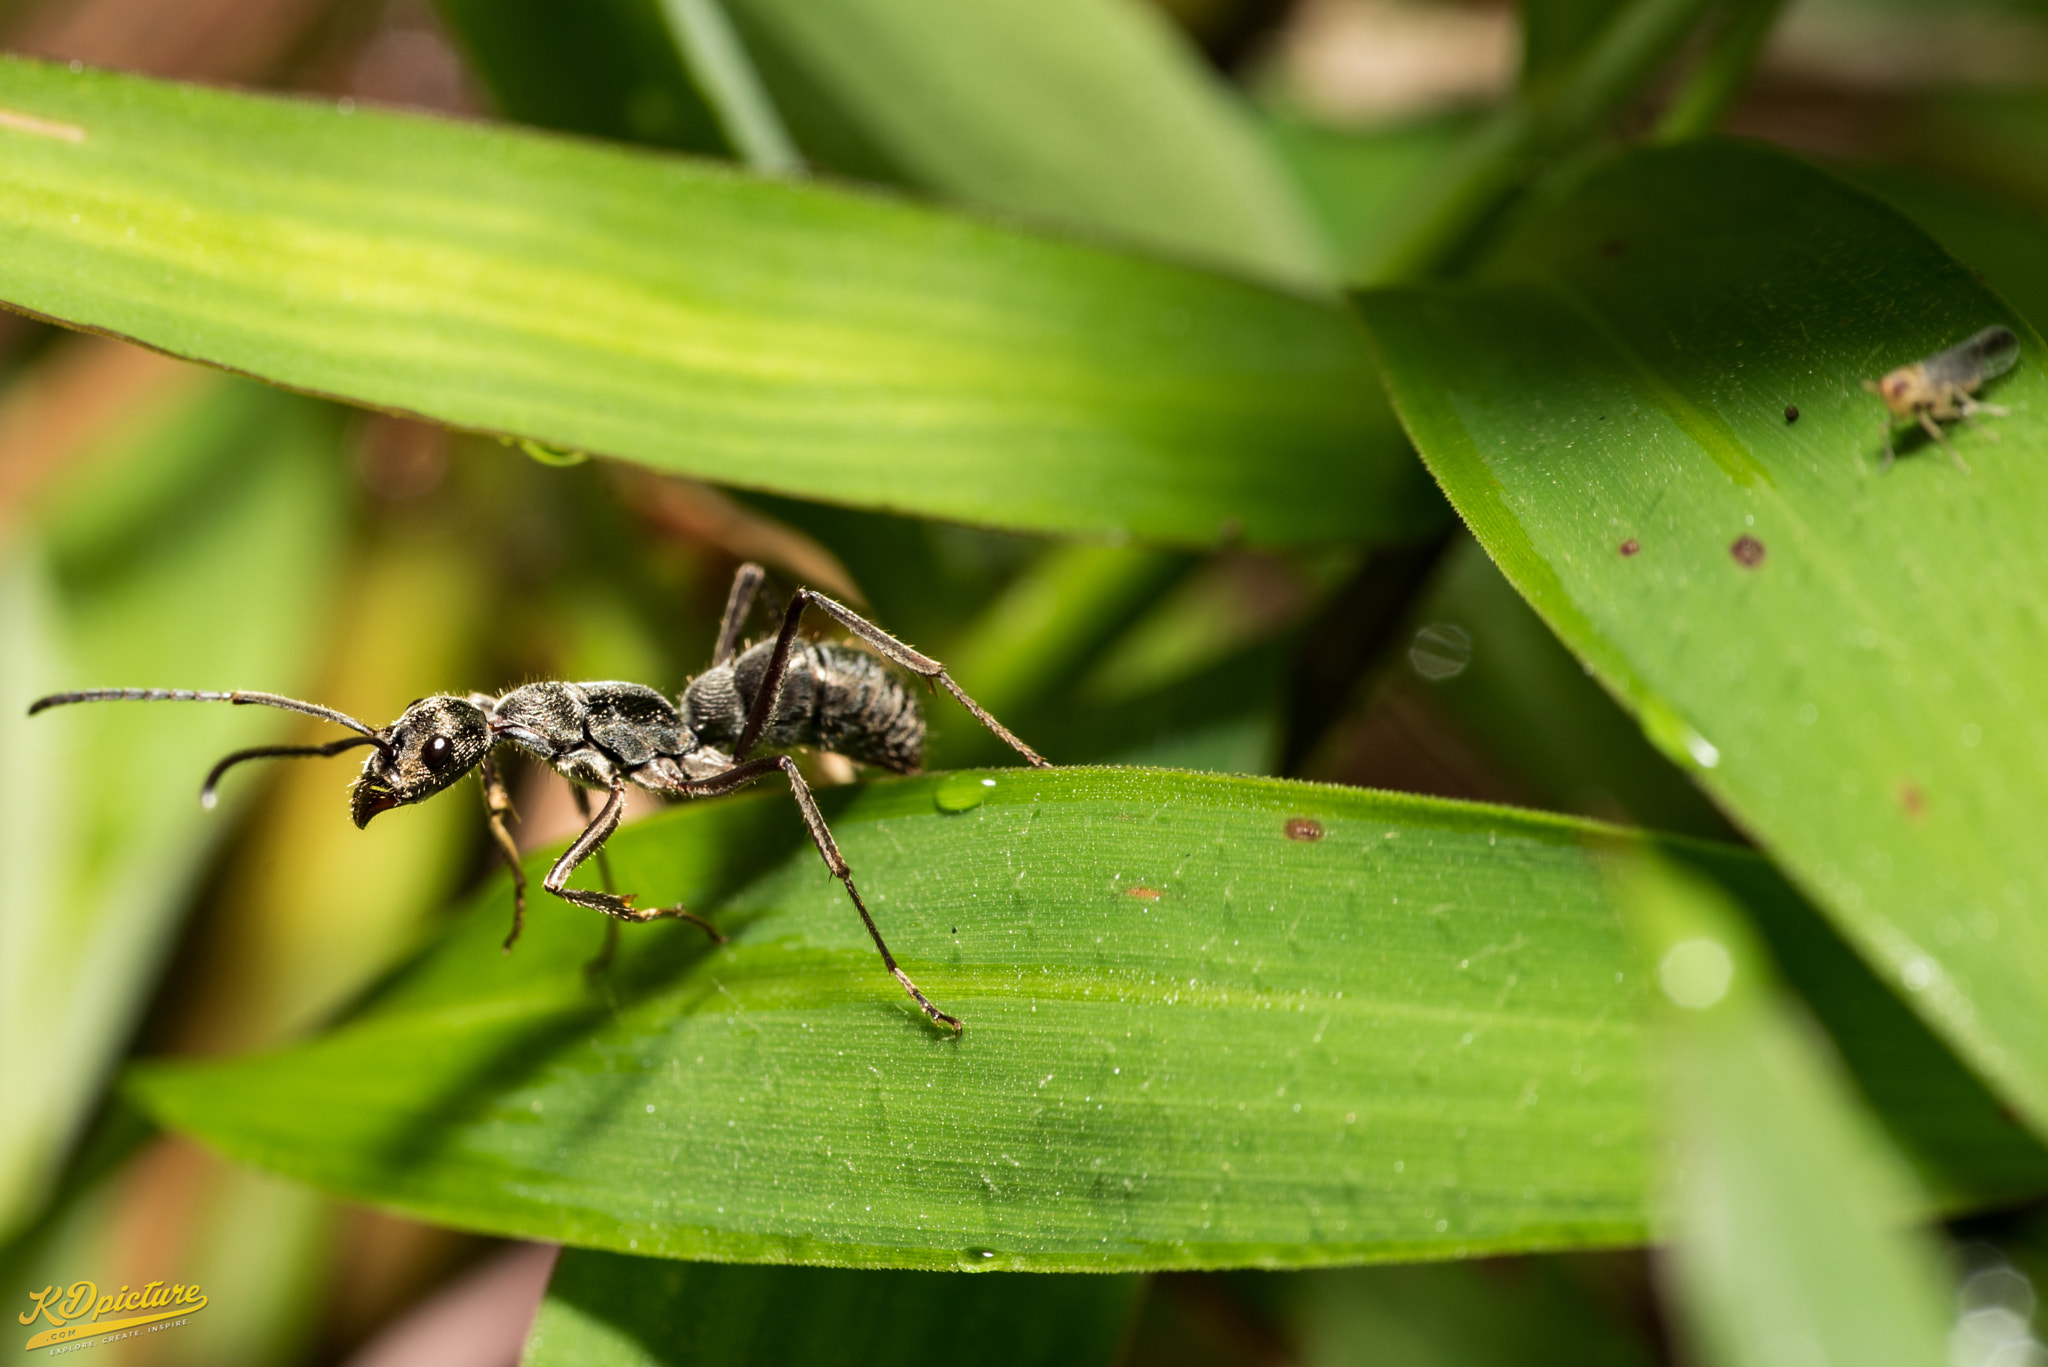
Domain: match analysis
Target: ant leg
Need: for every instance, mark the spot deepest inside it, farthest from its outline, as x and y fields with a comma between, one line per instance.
x=498, y=806
x=1933, y=429
x=891, y=649
x=591, y=843
x=740, y=776
x=745, y=585
x=604, y=874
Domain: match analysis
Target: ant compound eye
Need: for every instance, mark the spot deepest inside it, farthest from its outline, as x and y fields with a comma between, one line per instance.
x=437, y=753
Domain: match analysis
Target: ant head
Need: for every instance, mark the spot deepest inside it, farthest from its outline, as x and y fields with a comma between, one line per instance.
x=436, y=742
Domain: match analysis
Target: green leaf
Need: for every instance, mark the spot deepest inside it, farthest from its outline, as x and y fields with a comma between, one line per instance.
x=1154, y=972
x=719, y=63
x=1783, y=1196
x=607, y=68
x=604, y=1310
x=838, y=346
x=183, y=552
x=1555, y=730
x=1088, y=113
x=1556, y=33
x=2002, y=240
x=1558, y=117
x=1532, y=1313
x=1044, y=629
x=1849, y=660
x=1357, y=181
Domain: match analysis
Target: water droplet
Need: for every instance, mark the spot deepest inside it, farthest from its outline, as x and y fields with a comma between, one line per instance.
x=1441, y=651
x=963, y=792
x=551, y=455
x=977, y=1260
x=1672, y=734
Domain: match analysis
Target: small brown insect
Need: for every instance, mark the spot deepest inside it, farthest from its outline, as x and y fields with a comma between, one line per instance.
x=1939, y=388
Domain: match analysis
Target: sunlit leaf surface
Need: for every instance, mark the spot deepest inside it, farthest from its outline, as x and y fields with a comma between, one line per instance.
x=1850, y=659
x=794, y=337
x=1089, y=113
x=1209, y=1022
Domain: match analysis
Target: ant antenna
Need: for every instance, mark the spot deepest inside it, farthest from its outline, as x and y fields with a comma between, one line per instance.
x=239, y=697
x=206, y=790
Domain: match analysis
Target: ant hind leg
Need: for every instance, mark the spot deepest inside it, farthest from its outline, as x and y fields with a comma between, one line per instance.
x=745, y=585
x=739, y=776
x=890, y=649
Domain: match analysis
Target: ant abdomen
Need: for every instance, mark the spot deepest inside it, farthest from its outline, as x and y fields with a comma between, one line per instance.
x=833, y=697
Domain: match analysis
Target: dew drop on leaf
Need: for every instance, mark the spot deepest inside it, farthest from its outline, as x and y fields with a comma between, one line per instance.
x=963, y=792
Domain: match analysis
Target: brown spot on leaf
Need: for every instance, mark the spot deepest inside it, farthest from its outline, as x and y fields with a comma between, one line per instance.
x=1748, y=552
x=1304, y=828
x=1631, y=546
x=1912, y=801
x=1791, y=413
x=1144, y=894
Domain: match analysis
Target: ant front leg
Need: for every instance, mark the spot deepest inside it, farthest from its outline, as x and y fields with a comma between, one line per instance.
x=604, y=875
x=887, y=646
x=498, y=806
x=591, y=842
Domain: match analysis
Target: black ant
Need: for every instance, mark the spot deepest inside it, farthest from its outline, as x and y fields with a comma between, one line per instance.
x=779, y=694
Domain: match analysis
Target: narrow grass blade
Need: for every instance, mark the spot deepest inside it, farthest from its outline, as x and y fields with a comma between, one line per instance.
x=1091, y=114
x=190, y=550
x=835, y=345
